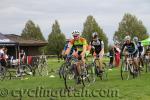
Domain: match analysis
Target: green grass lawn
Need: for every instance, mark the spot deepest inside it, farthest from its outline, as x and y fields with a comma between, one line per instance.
x=30, y=89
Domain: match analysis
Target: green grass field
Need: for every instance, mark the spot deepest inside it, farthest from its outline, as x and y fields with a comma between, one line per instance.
x=47, y=88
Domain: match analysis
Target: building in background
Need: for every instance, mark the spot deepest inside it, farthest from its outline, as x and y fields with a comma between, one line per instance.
x=15, y=43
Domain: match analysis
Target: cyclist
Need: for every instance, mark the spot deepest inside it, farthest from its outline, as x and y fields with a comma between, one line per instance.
x=80, y=47
x=147, y=49
x=140, y=49
x=117, y=53
x=147, y=53
x=65, y=48
x=130, y=48
x=97, y=49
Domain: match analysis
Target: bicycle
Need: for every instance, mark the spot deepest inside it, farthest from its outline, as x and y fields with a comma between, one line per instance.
x=23, y=69
x=70, y=74
x=102, y=74
x=40, y=66
x=128, y=68
x=4, y=73
x=66, y=71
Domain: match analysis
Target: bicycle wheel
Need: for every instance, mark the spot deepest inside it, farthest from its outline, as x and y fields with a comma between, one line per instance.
x=4, y=74
x=34, y=69
x=96, y=64
x=91, y=72
x=105, y=72
x=61, y=69
x=85, y=77
x=60, y=72
x=125, y=72
x=43, y=69
x=69, y=77
x=27, y=69
x=137, y=72
x=102, y=74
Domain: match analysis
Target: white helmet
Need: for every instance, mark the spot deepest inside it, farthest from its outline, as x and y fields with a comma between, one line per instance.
x=94, y=34
x=75, y=33
x=135, y=39
x=127, y=38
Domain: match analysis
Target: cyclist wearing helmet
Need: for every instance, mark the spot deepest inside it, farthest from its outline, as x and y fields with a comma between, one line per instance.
x=124, y=44
x=66, y=46
x=80, y=46
x=140, y=49
x=148, y=49
x=97, y=48
x=139, y=46
x=130, y=48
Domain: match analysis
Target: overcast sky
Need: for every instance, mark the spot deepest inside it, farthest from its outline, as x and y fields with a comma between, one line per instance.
x=71, y=14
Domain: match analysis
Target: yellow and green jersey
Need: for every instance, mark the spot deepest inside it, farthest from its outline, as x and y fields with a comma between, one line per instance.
x=78, y=44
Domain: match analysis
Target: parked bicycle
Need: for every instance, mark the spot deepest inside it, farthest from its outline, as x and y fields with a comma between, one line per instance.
x=40, y=66
x=4, y=73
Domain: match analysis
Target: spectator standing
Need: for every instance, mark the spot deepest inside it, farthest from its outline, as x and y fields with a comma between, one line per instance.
x=117, y=54
x=111, y=56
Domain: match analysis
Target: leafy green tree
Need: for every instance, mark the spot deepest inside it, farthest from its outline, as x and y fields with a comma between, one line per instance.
x=56, y=40
x=130, y=25
x=91, y=26
x=31, y=31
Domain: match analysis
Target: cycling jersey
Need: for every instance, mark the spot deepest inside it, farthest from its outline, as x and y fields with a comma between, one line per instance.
x=98, y=45
x=140, y=47
x=78, y=44
x=131, y=48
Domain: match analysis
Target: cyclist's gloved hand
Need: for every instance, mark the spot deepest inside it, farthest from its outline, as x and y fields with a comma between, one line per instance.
x=93, y=47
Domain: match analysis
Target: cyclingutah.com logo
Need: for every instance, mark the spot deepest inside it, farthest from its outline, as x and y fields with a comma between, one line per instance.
x=45, y=92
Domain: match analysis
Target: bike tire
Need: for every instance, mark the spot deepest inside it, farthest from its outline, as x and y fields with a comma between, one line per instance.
x=43, y=69
x=69, y=78
x=125, y=72
x=85, y=76
x=4, y=74
x=28, y=69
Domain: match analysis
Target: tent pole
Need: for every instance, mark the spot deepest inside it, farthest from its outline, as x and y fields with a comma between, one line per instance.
x=17, y=51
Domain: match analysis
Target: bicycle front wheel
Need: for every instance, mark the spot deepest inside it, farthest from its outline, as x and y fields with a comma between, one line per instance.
x=125, y=71
x=86, y=77
x=43, y=69
x=4, y=74
x=28, y=70
x=91, y=72
x=69, y=78
x=105, y=72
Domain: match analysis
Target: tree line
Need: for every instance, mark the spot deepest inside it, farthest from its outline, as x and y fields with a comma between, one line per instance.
x=129, y=25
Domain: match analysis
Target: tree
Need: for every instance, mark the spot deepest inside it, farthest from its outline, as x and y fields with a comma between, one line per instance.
x=56, y=40
x=91, y=26
x=31, y=31
x=130, y=25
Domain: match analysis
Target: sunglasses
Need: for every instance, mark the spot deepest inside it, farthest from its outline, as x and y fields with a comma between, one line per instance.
x=75, y=35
